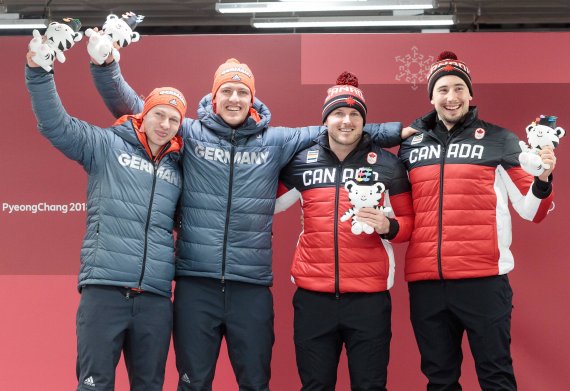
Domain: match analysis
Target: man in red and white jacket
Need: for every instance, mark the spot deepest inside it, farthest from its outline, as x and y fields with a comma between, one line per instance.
x=463, y=171
x=342, y=272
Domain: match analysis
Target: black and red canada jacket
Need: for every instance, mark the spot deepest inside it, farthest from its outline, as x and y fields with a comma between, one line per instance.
x=461, y=186
x=329, y=257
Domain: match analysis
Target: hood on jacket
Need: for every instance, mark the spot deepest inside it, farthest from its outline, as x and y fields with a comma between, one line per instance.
x=250, y=127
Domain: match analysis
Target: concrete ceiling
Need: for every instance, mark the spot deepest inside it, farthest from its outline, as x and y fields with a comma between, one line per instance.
x=200, y=16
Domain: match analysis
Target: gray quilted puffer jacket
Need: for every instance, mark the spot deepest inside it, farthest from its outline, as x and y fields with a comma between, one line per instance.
x=131, y=201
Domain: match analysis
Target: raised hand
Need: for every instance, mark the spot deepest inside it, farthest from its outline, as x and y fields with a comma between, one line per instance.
x=548, y=160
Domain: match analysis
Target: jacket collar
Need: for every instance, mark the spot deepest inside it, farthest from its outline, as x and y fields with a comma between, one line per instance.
x=323, y=140
x=127, y=128
x=250, y=127
x=428, y=122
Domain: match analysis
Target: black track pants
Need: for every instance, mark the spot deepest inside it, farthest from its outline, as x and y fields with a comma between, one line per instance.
x=204, y=313
x=442, y=310
x=324, y=323
x=110, y=321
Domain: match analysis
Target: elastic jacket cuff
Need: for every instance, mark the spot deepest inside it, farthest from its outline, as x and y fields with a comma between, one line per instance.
x=392, y=231
x=102, y=65
x=542, y=189
x=38, y=70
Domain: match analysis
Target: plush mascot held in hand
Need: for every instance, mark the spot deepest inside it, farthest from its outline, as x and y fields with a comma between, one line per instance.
x=121, y=29
x=58, y=38
x=45, y=55
x=363, y=196
x=62, y=36
x=100, y=46
x=543, y=132
x=116, y=32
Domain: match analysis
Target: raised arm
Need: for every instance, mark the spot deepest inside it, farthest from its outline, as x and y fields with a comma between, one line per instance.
x=75, y=138
x=117, y=94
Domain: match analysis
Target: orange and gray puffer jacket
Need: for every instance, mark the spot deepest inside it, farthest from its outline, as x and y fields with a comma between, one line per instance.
x=461, y=183
x=329, y=256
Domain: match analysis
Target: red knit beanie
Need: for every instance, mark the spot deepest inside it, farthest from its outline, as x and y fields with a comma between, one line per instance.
x=448, y=64
x=345, y=94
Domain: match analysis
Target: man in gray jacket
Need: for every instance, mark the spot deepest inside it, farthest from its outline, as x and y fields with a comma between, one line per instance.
x=231, y=163
x=127, y=257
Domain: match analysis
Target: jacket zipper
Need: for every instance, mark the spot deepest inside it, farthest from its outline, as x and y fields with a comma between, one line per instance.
x=155, y=165
x=228, y=209
x=440, y=207
x=440, y=214
x=336, y=202
x=147, y=225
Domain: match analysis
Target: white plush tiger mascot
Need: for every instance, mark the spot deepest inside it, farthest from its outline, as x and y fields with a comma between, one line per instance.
x=62, y=36
x=363, y=196
x=541, y=133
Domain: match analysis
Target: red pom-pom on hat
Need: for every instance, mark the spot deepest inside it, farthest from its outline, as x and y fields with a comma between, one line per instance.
x=345, y=93
x=446, y=55
x=347, y=79
x=448, y=64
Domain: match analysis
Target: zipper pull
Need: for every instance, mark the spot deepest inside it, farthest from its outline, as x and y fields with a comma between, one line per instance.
x=223, y=284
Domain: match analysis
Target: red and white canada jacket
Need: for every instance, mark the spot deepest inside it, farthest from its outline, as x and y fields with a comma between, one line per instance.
x=329, y=257
x=461, y=184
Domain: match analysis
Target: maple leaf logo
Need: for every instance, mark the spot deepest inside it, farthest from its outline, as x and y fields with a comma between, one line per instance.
x=448, y=68
x=350, y=101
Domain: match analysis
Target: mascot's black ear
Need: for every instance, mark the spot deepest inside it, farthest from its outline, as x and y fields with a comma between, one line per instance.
x=560, y=132
x=348, y=185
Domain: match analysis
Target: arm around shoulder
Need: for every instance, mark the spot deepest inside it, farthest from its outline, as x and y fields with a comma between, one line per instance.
x=385, y=135
x=296, y=139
